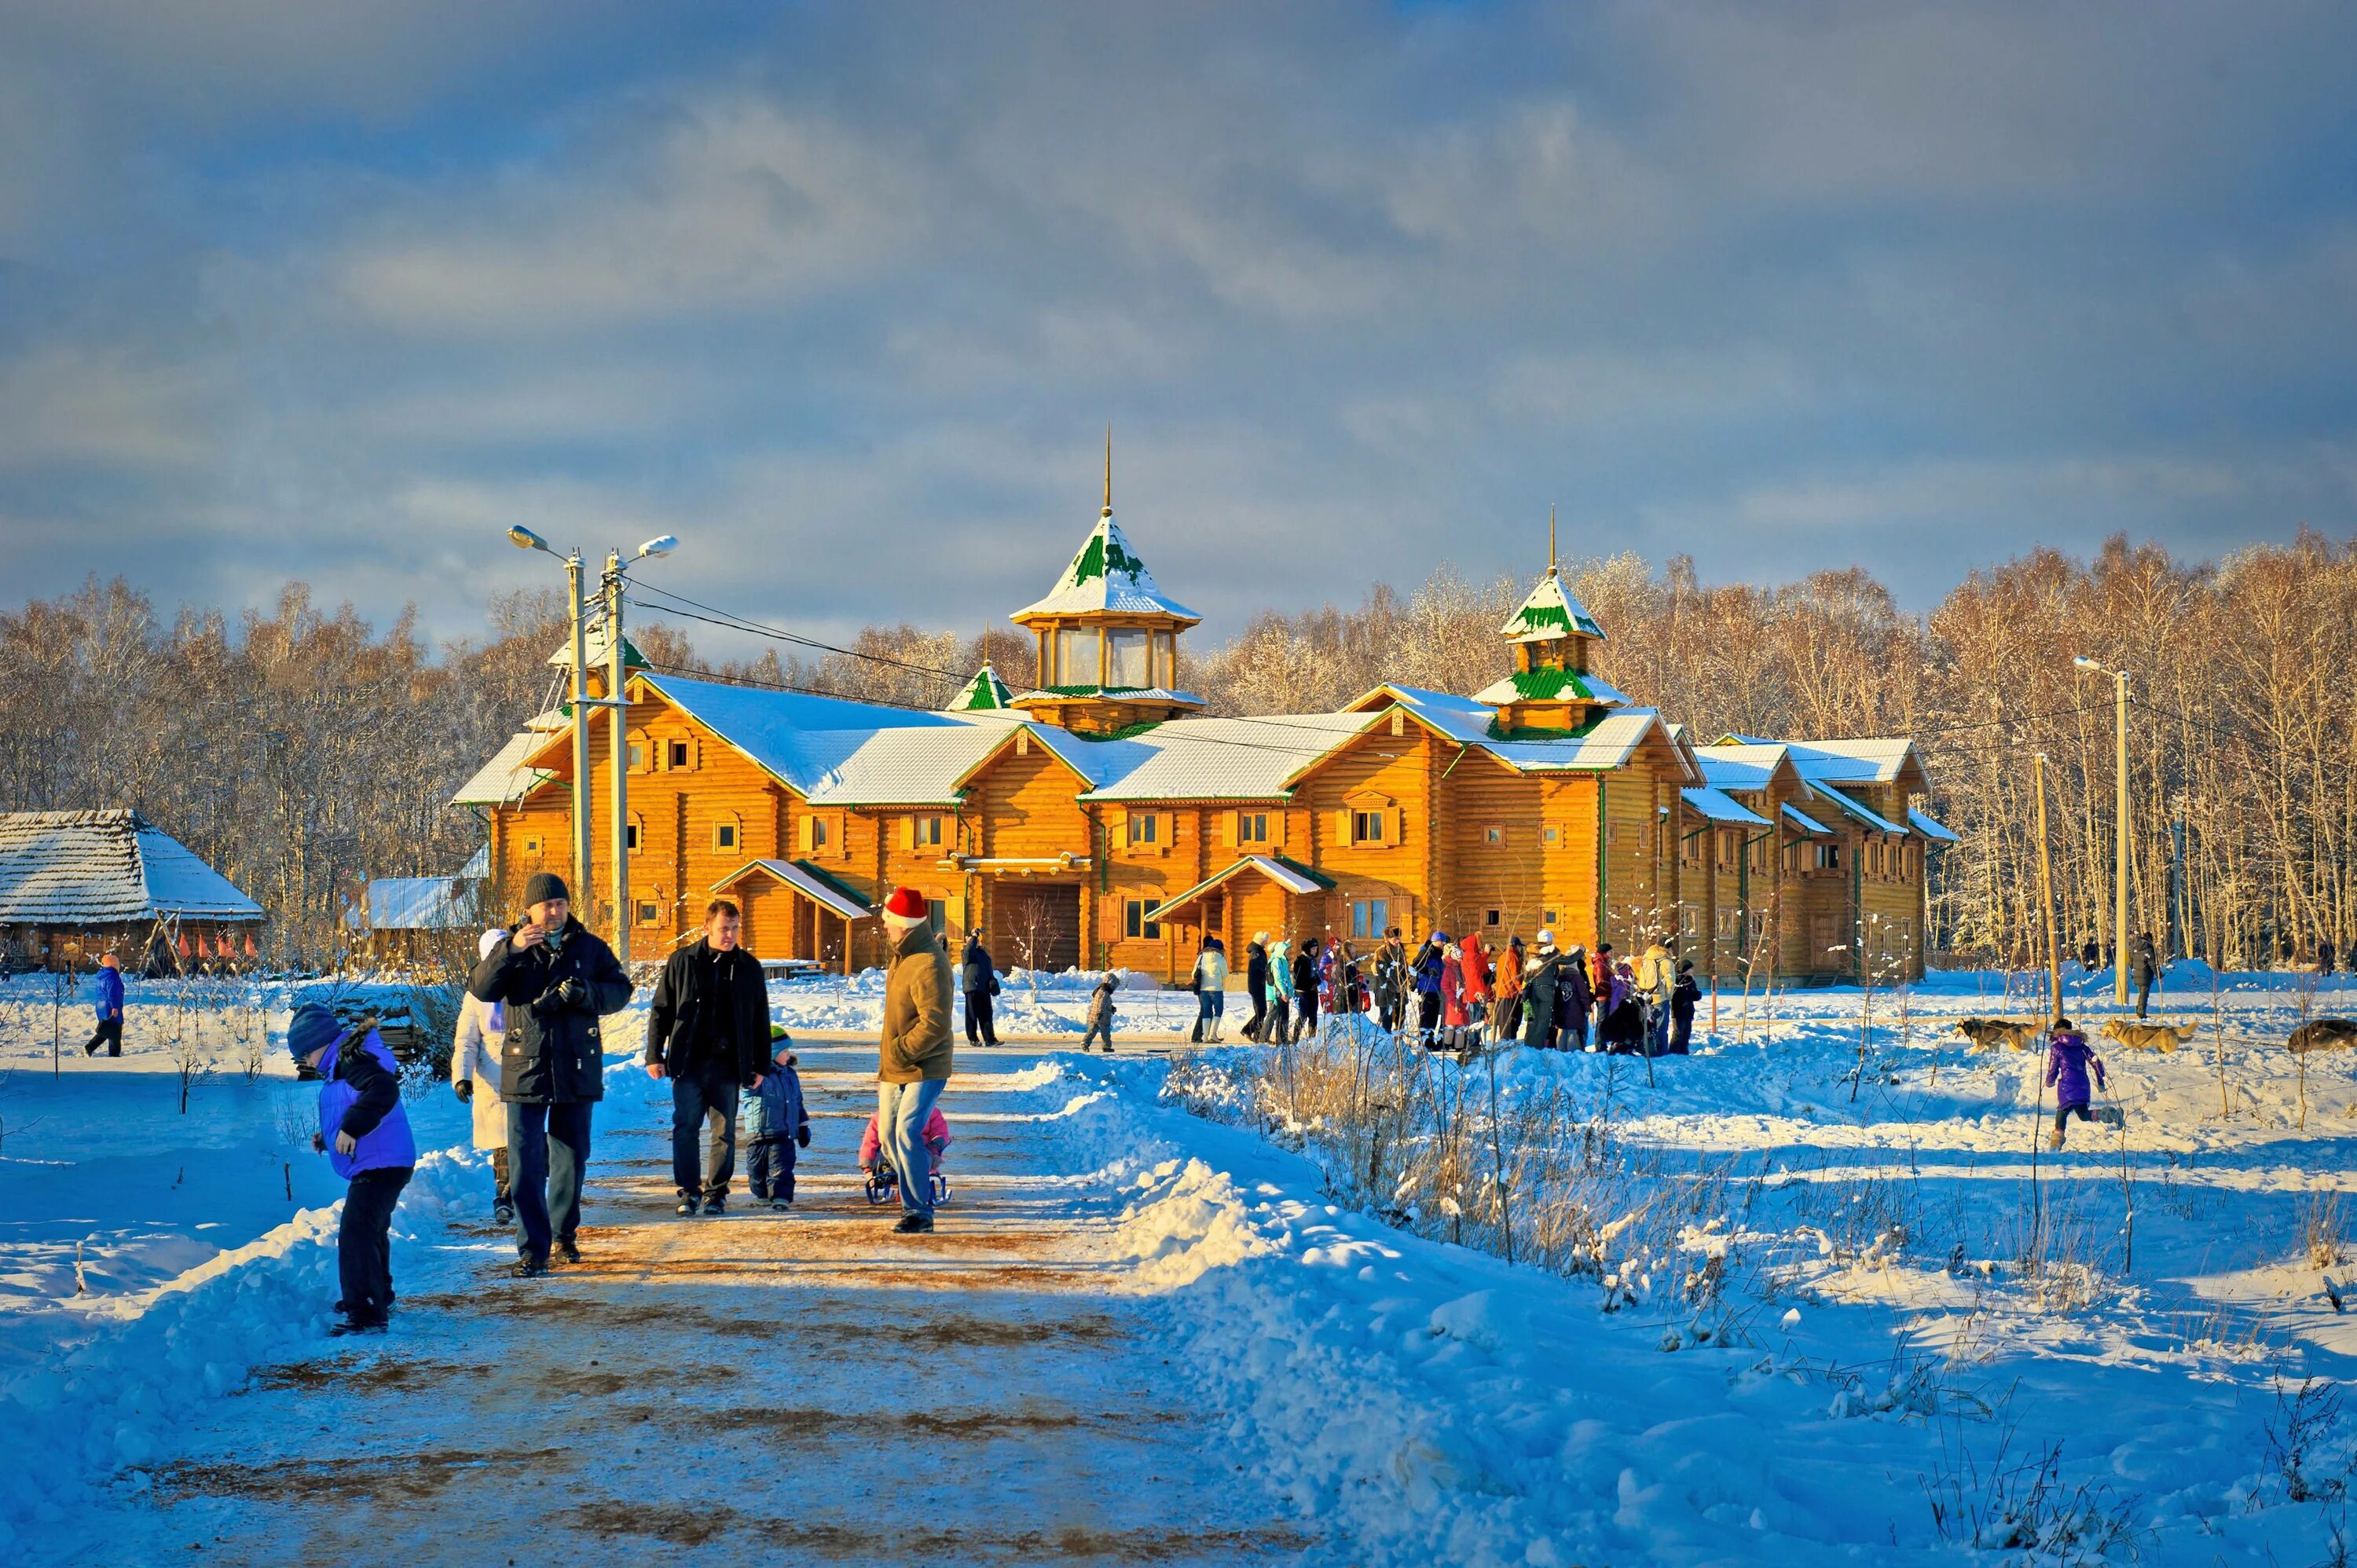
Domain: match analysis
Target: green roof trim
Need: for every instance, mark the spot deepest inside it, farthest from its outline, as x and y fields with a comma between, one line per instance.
x=1099, y=553
x=1537, y=618
x=1298, y=869
x=1547, y=685
x=821, y=874
x=986, y=693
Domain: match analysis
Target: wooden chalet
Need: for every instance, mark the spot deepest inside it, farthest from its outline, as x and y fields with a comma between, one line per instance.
x=77, y=884
x=1101, y=820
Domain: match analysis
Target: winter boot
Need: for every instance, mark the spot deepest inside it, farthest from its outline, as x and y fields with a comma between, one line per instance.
x=687, y=1206
x=2054, y=1139
x=717, y=1204
x=568, y=1250
x=914, y=1225
x=780, y=1205
x=530, y=1268
x=358, y=1326
x=503, y=1213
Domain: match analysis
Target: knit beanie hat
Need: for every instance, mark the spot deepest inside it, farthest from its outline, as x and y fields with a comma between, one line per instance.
x=542, y=886
x=312, y=1028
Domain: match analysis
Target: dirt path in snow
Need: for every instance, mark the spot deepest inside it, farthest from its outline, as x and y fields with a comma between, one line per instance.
x=805, y=1385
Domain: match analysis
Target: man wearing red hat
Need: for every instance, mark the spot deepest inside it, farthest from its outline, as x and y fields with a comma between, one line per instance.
x=913, y=1067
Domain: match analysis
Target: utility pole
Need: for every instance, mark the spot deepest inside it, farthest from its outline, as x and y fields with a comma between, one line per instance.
x=620, y=755
x=2120, y=828
x=581, y=888
x=2046, y=896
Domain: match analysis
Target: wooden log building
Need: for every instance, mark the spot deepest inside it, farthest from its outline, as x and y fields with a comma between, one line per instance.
x=1100, y=820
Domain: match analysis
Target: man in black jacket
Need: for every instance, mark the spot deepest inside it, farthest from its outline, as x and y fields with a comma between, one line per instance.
x=978, y=978
x=557, y=979
x=1257, y=985
x=708, y=1032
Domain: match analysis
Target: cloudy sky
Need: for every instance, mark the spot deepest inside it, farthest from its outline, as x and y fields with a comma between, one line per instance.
x=843, y=295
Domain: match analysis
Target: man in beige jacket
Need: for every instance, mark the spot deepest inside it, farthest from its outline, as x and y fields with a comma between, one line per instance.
x=1657, y=976
x=913, y=1065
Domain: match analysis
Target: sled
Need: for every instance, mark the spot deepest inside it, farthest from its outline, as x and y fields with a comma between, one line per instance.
x=883, y=1184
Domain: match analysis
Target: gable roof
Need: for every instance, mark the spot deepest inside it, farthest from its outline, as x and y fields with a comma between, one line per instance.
x=1752, y=764
x=1291, y=875
x=1549, y=613
x=1882, y=759
x=413, y=904
x=1718, y=806
x=983, y=692
x=593, y=645
x=1854, y=809
x=1106, y=577
x=812, y=882
x=507, y=777
x=106, y=867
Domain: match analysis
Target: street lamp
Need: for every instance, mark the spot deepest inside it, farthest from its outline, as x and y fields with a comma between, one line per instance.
x=617, y=698
x=2120, y=840
x=523, y=538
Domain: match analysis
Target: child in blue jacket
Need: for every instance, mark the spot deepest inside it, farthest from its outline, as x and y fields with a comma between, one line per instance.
x=364, y=1132
x=780, y=1125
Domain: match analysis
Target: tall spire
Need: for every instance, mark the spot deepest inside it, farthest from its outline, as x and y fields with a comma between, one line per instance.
x=1550, y=536
x=1108, y=501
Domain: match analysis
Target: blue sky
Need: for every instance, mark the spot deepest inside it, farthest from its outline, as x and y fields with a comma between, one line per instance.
x=845, y=294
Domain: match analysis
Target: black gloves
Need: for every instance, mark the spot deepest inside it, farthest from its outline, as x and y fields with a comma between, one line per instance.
x=466, y=1090
x=572, y=993
x=802, y=1137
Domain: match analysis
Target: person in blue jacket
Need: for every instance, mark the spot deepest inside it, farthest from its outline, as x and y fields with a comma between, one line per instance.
x=1424, y=977
x=110, y=1009
x=781, y=1124
x=364, y=1132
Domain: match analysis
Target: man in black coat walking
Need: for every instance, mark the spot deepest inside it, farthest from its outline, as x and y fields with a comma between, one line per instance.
x=557, y=980
x=2147, y=970
x=978, y=978
x=708, y=1032
x=1541, y=994
x=1256, y=984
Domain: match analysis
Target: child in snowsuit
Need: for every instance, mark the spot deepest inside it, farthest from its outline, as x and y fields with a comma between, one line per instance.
x=2068, y=1057
x=937, y=1139
x=781, y=1124
x=1683, y=997
x=364, y=1132
x=1101, y=1012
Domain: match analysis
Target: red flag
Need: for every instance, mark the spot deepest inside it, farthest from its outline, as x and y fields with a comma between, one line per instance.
x=251, y=951
x=184, y=944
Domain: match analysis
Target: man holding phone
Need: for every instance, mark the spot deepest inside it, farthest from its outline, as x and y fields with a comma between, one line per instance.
x=557, y=980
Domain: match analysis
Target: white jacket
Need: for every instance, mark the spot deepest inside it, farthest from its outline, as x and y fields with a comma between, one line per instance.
x=475, y=1054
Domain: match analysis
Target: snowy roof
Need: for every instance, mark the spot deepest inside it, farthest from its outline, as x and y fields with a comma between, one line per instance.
x=1878, y=760
x=1931, y=829
x=1127, y=693
x=1720, y=807
x=103, y=868
x=1549, y=613
x=504, y=778
x=771, y=728
x=1607, y=744
x=807, y=880
x=594, y=644
x=892, y=767
x=1106, y=578
x=1219, y=759
x=414, y=904
x=1544, y=685
x=1806, y=823
x=1749, y=766
x=1848, y=807
x=1288, y=875
x=983, y=692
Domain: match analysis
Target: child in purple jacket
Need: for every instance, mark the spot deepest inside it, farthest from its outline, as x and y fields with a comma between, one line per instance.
x=2068, y=1057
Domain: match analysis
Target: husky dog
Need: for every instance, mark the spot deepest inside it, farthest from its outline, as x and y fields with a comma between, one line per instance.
x=1988, y=1033
x=2324, y=1035
x=2149, y=1036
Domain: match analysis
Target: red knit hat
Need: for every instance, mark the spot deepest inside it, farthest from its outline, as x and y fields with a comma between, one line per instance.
x=907, y=904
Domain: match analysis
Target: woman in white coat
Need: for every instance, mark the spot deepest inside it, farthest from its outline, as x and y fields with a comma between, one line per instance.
x=474, y=1074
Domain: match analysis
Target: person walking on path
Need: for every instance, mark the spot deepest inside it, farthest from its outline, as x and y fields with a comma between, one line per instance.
x=2068, y=1057
x=1431, y=962
x=1575, y=1001
x=780, y=1125
x=1100, y=1013
x=1210, y=983
x=708, y=1032
x=2147, y=970
x=1256, y=984
x=475, y=1078
x=916, y=1055
x=1506, y=985
x=557, y=980
x=1683, y=997
x=1279, y=1028
x=979, y=978
x=109, y=980
x=364, y=1132
x=1541, y=994
x=1305, y=987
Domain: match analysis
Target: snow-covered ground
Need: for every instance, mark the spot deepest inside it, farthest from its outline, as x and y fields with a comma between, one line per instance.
x=1877, y=1365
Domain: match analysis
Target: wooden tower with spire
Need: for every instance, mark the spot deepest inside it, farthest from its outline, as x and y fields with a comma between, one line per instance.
x=1108, y=638
x=1553, y=687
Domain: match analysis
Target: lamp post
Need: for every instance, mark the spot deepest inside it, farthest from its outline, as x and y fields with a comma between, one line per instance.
x=2120, y=828
x=617, y=698
x=525, y=538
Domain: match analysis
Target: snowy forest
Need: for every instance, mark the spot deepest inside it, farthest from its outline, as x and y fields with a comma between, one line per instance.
x=302, y=751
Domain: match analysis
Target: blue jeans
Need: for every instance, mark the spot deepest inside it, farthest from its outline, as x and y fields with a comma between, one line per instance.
x=901, y=1112
x=770, y=1169
x=548, y=1146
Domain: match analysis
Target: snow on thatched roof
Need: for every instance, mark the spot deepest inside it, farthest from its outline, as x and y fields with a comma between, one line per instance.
x=104, y=868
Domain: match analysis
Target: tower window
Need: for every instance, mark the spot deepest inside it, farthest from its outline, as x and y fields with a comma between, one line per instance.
x=1076, y=656
x=1125, y=659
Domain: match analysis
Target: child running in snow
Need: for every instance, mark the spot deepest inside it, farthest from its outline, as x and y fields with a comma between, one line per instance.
x=780, y=1125
x=1101, y=1011
x=2068, y=1057
x=364, y=1132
